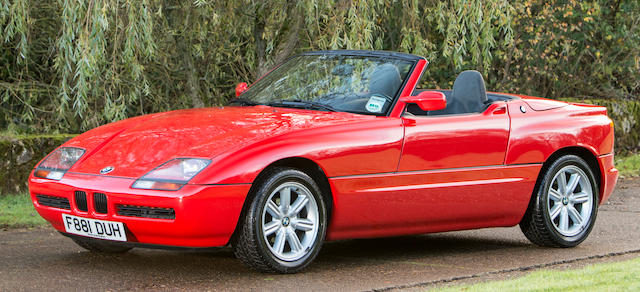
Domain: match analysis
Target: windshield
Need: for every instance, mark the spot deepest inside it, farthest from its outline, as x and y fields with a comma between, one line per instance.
x=357, y=84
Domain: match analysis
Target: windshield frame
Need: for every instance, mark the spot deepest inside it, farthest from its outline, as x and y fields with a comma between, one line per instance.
x=412, y=59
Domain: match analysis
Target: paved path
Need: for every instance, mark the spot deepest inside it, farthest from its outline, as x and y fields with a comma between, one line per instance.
x=42, y=259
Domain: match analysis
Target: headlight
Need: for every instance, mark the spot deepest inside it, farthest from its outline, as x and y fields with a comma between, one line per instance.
x=171, y=175
x=58, y=162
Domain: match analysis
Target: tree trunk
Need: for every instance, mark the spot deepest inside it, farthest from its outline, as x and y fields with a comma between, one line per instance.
x=193, y=83
x=288, y=37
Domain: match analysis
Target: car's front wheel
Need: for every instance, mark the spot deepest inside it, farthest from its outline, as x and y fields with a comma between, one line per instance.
x=563, y=211
x=284, y=225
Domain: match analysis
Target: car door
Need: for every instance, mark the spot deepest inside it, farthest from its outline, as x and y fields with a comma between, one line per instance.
x=452, y=169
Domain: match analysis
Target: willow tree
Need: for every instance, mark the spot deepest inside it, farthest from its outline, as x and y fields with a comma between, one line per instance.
x=71, y=65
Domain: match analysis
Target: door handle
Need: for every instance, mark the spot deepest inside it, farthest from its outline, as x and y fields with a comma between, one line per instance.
x=408, y=122
x=500, y=110
x=496, y=109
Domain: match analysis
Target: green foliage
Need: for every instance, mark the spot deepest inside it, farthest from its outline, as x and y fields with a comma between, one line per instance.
x=574, y=48
x=620, y=276
x=18, y=211
x=72, y=65
x=628, y=165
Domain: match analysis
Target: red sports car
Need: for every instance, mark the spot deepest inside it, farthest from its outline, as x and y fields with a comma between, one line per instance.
x=332, y=145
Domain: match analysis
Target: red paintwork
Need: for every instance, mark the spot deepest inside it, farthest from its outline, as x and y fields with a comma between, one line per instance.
x=455, y=141
x=209, y=213
x=141, y=145
x=535, y=135
x=388, y=175
x=609, y=176
x=431, y=201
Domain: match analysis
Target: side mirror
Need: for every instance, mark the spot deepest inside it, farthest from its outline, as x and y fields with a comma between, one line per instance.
x=241, y=88
x=428, y=100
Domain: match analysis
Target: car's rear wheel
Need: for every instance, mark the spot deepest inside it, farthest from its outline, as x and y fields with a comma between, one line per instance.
x=97, y=245
x=563, y=211
x=284, y=224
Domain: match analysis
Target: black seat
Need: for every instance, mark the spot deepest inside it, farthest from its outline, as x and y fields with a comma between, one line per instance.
x=468, y=96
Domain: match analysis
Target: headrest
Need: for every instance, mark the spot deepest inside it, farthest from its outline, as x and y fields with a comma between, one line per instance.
x=469, y=92
x=385, y=79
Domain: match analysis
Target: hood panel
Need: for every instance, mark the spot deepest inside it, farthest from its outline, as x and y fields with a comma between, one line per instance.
x=139, y=145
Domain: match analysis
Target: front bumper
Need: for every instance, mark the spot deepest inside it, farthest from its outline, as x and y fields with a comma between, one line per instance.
x=609, y=176
x=205, y=215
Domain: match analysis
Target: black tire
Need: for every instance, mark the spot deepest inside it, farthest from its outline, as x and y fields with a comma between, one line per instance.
x=537, y=224
x=250, y=245
x=101, y=246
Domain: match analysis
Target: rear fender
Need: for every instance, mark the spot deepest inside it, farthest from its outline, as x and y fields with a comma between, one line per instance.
x=536, y=135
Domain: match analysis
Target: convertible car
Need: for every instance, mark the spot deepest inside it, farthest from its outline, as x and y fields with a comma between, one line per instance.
x=332, y=145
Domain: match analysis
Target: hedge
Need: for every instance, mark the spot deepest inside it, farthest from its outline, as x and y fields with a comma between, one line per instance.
x=18, y=156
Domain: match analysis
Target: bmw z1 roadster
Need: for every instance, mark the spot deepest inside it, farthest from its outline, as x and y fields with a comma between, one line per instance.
x=332, y=145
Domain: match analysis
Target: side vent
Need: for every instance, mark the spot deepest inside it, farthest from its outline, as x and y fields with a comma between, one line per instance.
x=54, y=202
x=146, y=212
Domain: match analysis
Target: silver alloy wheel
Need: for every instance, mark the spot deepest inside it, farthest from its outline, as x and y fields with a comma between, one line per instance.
x=570, y=201
x=290, y=229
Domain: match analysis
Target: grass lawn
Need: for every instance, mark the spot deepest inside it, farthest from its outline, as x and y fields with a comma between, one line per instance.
x=629, y=165
x=17, y=211
x=620, y=276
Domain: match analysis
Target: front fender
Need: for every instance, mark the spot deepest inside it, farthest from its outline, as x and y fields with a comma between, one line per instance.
x=371, y=146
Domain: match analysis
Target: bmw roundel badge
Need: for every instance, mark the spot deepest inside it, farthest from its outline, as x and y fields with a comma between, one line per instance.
x=106, y=170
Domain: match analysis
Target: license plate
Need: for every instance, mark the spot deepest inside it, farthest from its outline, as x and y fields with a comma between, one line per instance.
x=94, y=228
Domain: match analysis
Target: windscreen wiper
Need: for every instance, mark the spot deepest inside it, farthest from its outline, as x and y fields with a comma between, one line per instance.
x=298, y=103
x=242, y=101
